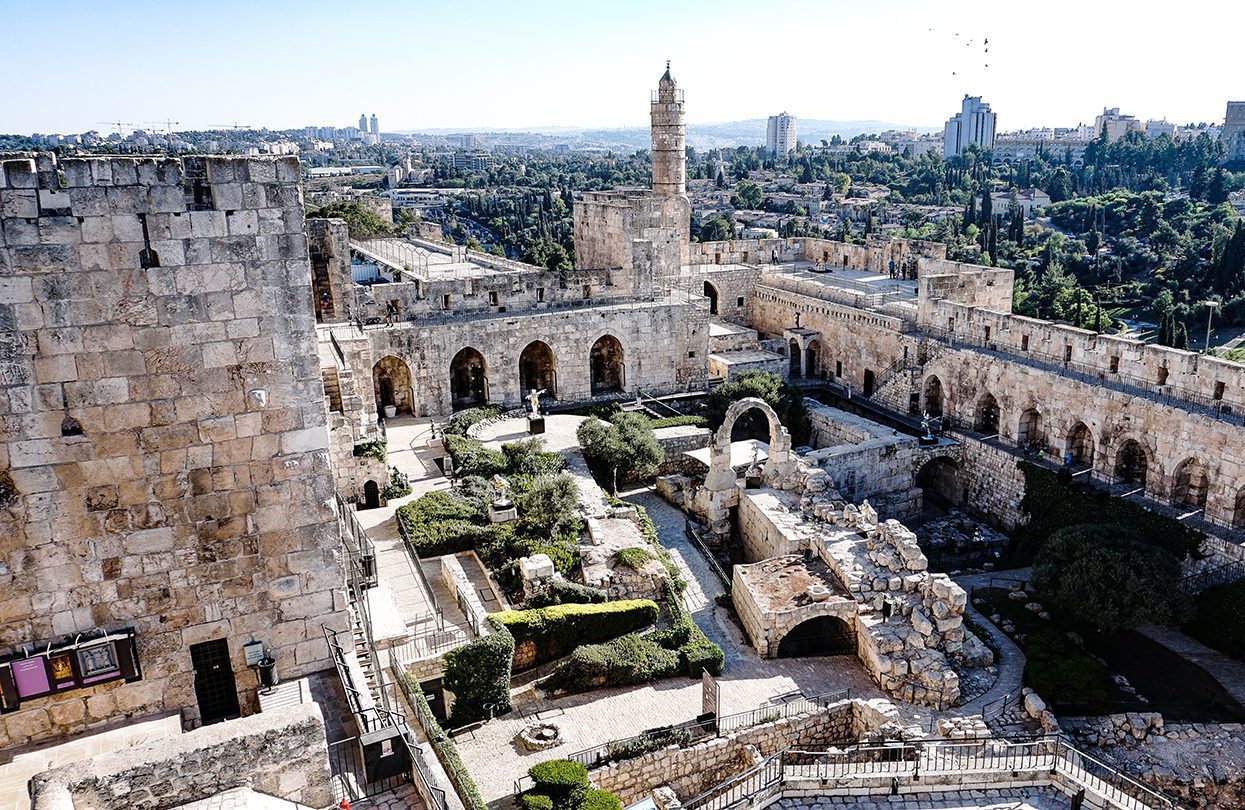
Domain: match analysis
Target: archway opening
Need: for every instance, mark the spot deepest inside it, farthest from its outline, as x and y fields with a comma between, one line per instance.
x=468, y=380
x=812, y=354
x=869, y=380
x=607, y=366
x=987, y=417
x=711, y=292
x=933, y=396
x=1081, y=445
x=1029, y=430
x=538, y=370
x=391, y=381
x=795, y=358
x=1238, y=510
x=1191, y=484
x=818, y=636
x=940, y=484
x=1131, y=463
x=371, y=495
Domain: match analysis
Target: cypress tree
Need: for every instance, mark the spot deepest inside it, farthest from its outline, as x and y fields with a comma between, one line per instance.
x=1180, y=336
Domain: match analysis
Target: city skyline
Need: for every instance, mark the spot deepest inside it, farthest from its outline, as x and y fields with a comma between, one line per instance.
x=922, y=63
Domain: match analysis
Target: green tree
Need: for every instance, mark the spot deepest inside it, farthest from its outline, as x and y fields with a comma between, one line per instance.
x=621, y=449
x=1107, y=577
x=551, y=504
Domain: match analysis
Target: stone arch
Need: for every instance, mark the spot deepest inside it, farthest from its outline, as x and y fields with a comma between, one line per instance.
x=1190, y=484
x=1080, y=445
x=1132, y=462
x=780, y=463
x=986, y=416
x=1029, y=429
x=609, y=376
x=711, y=292
x=1238, y=509
x=940, y=482
x=391, y=381
x=538, y=370
x=794, y=359
x=468, y=379
x=812, y=356
x=817, y=636
x=932, y=396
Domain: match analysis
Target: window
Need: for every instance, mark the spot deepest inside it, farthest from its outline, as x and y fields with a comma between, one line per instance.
x=1024, y=343
x=739, y=302
x=445, y=301
x=838, y=368
x=493, y=299
x=1162, y=375
x=987, y=334
x=691, y=354
x=587, y=291
x=1115, y=364
x=1218, y=390
x=1067, y=352
x=540, y=293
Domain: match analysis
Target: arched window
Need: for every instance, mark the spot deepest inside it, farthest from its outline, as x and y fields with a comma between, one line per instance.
x=538, y=370
x=468, y=380
x=608, y=375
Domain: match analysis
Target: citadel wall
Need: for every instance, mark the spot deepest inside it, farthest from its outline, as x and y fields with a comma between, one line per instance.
x=163, y=459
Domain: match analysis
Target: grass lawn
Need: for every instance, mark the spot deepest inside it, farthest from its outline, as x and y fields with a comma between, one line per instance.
x=1173, y=686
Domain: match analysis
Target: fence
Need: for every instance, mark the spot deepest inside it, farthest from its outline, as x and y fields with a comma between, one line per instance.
x=689, y=528
x=979, y=763
x=694, y=731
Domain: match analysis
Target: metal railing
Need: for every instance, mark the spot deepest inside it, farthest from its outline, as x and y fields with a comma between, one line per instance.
x=979, y=763
x=420, y=574
x=689, y=528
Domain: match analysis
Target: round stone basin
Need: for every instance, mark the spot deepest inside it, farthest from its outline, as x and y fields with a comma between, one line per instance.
x=540, y=737
x=818, y=593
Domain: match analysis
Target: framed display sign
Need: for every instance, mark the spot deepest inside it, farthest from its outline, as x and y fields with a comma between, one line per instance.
x=112, y=656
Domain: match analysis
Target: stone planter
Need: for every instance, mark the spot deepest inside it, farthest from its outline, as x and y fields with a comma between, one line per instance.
x=391, y=411
x=540, y=737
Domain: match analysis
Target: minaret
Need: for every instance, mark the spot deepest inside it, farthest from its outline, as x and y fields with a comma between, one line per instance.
x=669, y=142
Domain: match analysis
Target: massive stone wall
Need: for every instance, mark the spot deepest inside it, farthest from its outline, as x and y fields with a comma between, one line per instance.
x=163, y=457
x=282, y=753
x=664, y=349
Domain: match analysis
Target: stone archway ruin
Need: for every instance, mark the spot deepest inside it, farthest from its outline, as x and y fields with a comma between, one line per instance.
x=1081, y=445
x=812, y=354
x=986, y=419
x=711, y=292
x=817, y=636
x=1131, y=463
x=794, y=359
x=720, y=490
x=607, y=370
x=1029, y=430
x=933, y=396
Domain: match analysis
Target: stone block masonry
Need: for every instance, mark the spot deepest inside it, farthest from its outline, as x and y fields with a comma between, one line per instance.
x=283, y=753
x=163, y=449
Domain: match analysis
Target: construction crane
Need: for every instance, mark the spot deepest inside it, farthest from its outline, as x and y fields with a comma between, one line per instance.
x=168, y=125
x=234, y=126
x=120, y=125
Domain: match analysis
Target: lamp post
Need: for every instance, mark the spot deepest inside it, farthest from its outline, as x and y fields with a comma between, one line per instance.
x=1210, y=313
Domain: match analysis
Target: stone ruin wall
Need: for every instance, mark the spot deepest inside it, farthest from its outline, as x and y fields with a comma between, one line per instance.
x=281, y=753
x=732, y=285
x=163, y=460
x=692, y=770
x=664, y=350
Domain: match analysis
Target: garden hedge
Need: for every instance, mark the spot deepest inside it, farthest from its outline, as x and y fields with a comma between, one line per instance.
x=479, y=676
x=445, y=749
x=559, y=629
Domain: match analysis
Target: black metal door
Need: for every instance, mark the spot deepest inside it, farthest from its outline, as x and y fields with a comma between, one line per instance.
x=435, y=697
x=215, y=688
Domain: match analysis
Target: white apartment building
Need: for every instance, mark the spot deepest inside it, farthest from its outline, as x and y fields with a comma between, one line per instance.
x=780, y=134
x=974, y=123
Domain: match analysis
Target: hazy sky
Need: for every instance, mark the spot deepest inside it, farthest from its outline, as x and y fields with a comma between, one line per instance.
x=70, y=65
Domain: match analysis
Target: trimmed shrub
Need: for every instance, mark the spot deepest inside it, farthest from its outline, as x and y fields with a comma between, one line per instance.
x=558, y=629
x=559, y=591
x=596, y=799
x=535, y=801
x=551, y=506
x=630, y=659
x=558, y=777
x=479, y=676
x=528, y=457
x=679, y=421
x=461, y=422
x=621, y=450
x=633, y=557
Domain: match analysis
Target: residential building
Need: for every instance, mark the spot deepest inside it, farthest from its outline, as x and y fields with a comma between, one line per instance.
x=362, y=122
x=1117, y=125
x=974, y=123
x=780, y=134
x=1156, y=128
x=1027, y=200
x=375, y=125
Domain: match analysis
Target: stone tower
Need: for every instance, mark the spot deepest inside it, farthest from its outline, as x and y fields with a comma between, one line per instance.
x=669, y=142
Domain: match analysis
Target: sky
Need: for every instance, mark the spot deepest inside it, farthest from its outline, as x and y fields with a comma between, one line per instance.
x=591, y=63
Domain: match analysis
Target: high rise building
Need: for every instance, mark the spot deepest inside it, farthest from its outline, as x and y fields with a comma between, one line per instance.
x=974, y=123
x=363, y=122
x=375, y=125
x=780, y=134
x=1234, y=130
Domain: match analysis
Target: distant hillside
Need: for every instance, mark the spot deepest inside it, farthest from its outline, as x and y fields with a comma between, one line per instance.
x=700, y=136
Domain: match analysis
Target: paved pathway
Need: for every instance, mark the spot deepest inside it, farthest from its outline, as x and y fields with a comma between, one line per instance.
x=1010, y=660
x=1229, y=672
x=1043, y=798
